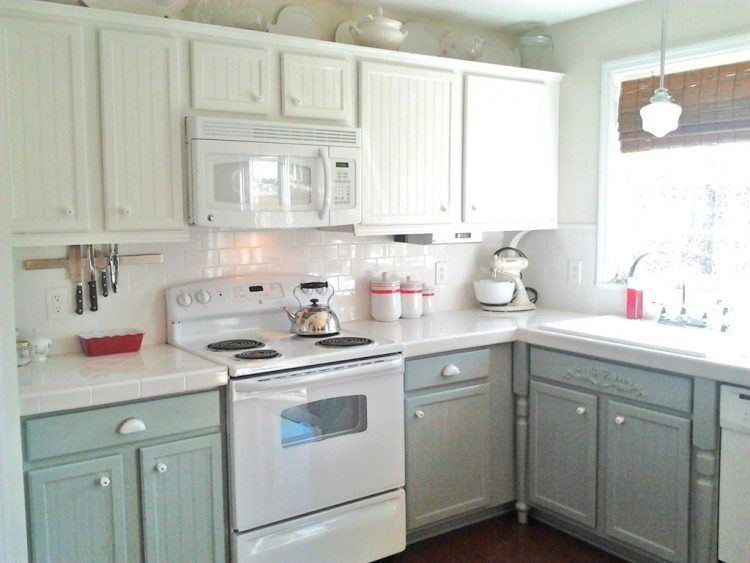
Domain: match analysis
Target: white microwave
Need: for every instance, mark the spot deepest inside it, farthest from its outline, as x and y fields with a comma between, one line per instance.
x=267, y=175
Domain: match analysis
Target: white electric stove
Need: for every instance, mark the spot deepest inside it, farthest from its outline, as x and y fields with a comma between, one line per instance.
x=315, y=425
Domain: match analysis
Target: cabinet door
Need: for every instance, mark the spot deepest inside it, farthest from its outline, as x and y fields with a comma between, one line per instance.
x=316, y=87
x=141, y=132
x=563, y=451
x=648, y=479
x=411, y=145
x=447, y=454
x=77, y=511
x=510, y=153
x=45, y=147
x=228, y=78
x=183, y=508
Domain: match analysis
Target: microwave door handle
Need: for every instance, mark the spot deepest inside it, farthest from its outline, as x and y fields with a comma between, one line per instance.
x=326, y=207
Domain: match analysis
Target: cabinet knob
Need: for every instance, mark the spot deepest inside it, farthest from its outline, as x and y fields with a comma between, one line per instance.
x=619, y=419
x=443, y=207
x=104, y=481
x=161, y=467
x=581, y=410
x=258, y=98
x=68, y=210
x=131, y=426
x=450, y=370
x=126, y=210
x=419, y=413
x=296, y=101
x=473, y=207
x=210, y=217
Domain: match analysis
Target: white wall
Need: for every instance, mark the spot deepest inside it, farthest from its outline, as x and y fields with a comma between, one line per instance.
x=581, y=46
x=348, y=262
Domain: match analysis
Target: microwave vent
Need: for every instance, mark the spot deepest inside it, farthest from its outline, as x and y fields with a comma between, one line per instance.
x=272, y=132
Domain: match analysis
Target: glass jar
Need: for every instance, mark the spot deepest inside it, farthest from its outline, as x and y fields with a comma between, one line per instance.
x=385, y=299
x=23, y=352
x=428, y=300
x=411, y=299
x=535, y=50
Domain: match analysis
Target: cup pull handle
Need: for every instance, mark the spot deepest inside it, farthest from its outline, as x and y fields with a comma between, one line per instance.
x=450, y=370
x=131, y=426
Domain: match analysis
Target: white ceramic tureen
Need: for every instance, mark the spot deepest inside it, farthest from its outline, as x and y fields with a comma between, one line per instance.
x=379, y=31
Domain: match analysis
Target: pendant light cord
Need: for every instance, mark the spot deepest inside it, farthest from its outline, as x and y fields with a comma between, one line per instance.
x=663, y=41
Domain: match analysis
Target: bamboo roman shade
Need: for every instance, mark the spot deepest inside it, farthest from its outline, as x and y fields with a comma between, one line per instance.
x=715, y=108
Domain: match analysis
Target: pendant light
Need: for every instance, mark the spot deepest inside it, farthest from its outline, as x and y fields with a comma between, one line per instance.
x=661, y=115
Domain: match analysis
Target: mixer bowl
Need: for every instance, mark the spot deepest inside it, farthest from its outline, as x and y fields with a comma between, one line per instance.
x=494, y=291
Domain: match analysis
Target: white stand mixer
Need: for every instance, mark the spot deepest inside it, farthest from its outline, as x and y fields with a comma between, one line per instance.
x=511, y=266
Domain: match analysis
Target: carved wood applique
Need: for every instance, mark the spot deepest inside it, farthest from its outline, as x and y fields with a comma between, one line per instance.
x=605, y=379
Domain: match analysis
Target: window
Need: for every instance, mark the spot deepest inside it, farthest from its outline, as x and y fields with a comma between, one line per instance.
x=323, y=419
x=686, y=196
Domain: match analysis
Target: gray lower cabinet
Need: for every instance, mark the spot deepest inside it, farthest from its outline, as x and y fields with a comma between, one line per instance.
x=563, y=451
x=648, y=479
x=77, y=511
x=130, y=482
x=459, y=438
x=447, y=454
x=182, y=500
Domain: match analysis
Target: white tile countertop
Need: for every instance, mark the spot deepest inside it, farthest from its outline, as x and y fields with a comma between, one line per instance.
x=456, y=330
x=73, y=381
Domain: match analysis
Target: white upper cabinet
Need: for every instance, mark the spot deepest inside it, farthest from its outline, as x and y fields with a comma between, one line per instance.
x=411, y=126
x=316, y=87
x=230, y=78
x=45, y=148
x=140, y=78
x=510, y=153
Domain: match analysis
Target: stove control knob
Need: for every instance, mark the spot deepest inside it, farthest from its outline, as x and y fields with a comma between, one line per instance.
x=202, y=296
x=184, y=299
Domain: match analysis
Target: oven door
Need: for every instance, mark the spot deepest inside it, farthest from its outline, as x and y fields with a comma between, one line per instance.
x=302, y=443
x=259, y=185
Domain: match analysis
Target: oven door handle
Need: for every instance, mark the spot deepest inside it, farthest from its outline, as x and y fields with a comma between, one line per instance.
x=246, y=388
x=325, y=209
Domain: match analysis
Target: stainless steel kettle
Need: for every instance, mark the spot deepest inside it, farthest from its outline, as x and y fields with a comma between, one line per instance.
x=314, y=319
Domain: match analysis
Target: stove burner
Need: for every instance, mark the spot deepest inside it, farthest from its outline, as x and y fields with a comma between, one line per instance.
x=343, y=342
x=257, y=355
x=238, y=344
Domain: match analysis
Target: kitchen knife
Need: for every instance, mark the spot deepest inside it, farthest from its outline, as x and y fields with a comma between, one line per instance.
x=114, y=266
x=105, y=285
x=74, y=270
x=93, y=302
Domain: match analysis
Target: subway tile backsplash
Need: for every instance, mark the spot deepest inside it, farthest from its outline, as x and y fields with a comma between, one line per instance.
x=346, y=261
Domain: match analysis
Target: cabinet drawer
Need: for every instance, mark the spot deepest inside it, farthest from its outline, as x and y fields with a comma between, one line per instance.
x=64, y=434
x=646, y=386
x=447, y=368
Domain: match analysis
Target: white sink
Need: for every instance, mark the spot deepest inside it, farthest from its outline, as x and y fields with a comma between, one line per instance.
x=644, y=334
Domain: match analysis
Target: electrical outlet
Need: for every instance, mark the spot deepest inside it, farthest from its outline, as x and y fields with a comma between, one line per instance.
x=574, y=271
x=57, y=302
x=441, y=273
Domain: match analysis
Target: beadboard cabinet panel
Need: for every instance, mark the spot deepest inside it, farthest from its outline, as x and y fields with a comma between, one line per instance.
x=140, y=82
x=183, y=509
x=77, y=511
x=230, y=78
x=510, y=153
x=648, y=479
x=563, y=451
x=316, y=87
x=45, y=96
x=410, y=120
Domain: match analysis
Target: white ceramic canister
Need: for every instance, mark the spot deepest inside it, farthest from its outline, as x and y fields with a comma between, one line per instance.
x=385, y=298
x=411, y=299
x=428, y=300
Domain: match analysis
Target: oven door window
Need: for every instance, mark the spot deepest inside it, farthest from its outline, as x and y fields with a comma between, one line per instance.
x=324, y=419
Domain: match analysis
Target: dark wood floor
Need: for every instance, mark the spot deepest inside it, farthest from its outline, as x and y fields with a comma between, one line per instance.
x=502, y=539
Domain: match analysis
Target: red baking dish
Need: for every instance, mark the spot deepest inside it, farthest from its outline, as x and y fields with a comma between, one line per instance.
x=104, y=342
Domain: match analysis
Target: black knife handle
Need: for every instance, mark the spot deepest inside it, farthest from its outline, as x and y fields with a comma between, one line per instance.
x=79, y=299
x=92, y=296
x=105, y=287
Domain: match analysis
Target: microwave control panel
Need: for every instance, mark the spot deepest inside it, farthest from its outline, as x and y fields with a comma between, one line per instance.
x=344, y=184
